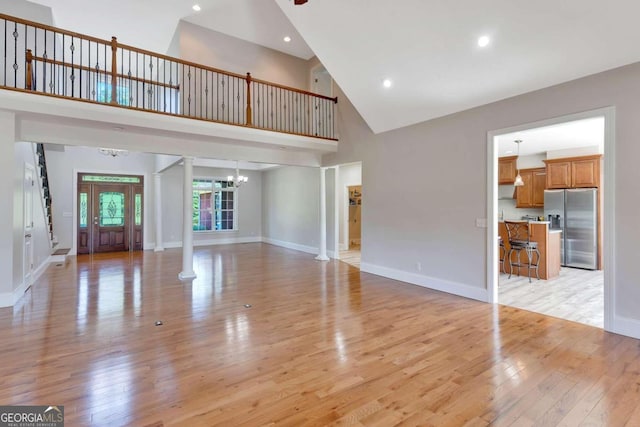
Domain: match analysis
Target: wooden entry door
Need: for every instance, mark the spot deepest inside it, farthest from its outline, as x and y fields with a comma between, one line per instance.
x=109, y=213
x=111, y=217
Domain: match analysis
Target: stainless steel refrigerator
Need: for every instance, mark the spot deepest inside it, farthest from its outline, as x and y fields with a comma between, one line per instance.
x=575, y=212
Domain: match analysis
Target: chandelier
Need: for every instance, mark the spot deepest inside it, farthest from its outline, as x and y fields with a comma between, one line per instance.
x=113, y=152
x=518, y=182
x=237, y=180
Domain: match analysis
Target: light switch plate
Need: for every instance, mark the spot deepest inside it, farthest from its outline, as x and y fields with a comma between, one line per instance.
x=481, y=222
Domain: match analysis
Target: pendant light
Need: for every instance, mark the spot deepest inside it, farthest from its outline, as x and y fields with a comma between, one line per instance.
x=518, y=182
x=237, y=180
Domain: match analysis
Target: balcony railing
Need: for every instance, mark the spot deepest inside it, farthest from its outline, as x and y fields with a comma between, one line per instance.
x=55, y=62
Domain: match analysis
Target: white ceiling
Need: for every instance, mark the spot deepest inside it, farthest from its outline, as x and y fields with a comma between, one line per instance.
x=429, y=49
x=151, y=24
x=563, y=136
x=426, y=47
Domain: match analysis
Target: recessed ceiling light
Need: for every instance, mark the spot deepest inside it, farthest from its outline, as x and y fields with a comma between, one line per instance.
x=484, y=41
x=196, y=7
x=386, y=83
x=287, y=39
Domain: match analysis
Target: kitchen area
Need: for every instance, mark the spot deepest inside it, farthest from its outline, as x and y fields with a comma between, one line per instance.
x=550, y=220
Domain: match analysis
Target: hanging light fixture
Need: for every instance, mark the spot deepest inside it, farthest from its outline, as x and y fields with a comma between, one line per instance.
x=518, y=182
x=113, y=152
x=237, y=180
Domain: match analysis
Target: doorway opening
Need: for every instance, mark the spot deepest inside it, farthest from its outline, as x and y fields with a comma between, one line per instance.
x=558, y=199
x=350, y=213
x=110, y=213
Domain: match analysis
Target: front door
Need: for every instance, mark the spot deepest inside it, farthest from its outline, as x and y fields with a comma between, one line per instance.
x=109, y=213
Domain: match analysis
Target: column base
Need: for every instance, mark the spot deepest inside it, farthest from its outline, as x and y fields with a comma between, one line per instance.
x=322, y=258
x=186, y=276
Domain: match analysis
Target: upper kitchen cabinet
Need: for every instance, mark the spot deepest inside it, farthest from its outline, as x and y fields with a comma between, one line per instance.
x=507, y=169
x=531, y=194
x=586, y=172
x=574, y=172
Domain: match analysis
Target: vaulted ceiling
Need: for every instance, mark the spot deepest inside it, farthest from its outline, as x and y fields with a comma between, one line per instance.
x=428, y=49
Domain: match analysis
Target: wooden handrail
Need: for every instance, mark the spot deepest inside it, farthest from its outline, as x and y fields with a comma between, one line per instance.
x=159, y=55
x=169, y=60
x=53, y=29
x=99, y=71
x=300, y=91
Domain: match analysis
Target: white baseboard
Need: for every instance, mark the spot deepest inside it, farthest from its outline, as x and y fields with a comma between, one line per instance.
x=211, y=242
x=626, y=326
x=289, y=245
x=9, y=299
x=454, y=288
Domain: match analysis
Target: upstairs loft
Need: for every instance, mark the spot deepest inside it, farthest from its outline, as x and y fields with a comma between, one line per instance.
x=76, y=89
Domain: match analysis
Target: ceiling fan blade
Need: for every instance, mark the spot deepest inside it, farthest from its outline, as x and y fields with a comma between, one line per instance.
x=299, y=2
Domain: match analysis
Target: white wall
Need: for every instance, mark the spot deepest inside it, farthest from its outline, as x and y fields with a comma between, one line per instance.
x=207, y=47
x=574, y=152
x=434, y=220
x=249, y=208
x=349, y=175
x=63, y=166
x=7, y=214
x=290, y=201
x=27, y=10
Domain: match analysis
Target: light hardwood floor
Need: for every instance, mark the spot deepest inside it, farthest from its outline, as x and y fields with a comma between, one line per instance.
x=576, y=295
x=321, y=344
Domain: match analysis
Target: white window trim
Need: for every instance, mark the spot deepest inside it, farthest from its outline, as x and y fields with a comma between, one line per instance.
x=235, y=205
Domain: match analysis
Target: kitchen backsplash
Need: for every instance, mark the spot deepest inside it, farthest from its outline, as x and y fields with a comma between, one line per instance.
x=507, y=207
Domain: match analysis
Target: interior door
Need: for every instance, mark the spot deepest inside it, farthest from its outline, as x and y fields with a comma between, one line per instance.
x=29, y=195
x=111, y=217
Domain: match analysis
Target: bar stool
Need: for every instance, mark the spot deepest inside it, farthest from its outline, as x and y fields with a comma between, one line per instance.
x=503, y=253
x=520, y=240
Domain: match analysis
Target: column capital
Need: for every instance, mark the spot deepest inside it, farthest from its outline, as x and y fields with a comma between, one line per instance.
x=188, y=158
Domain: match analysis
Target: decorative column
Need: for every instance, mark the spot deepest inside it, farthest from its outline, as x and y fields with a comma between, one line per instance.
x=322, y=255
x=187, y=273
x=157, y=184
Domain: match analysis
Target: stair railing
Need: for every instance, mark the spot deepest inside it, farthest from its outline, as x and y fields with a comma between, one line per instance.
x=60, y=63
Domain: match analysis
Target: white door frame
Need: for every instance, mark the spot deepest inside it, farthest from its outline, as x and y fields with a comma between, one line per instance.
x=146, y=210
x=609, y=204
x=28, y=189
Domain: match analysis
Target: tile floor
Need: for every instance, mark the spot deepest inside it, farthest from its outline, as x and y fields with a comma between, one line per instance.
x=352, y=256
x=576, y=295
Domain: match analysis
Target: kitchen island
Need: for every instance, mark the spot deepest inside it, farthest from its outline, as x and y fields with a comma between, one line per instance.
x=548, y=245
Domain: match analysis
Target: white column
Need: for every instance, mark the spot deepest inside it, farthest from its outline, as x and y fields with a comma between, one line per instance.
x=336, y=213
x=187, y=272
x=10, y=246
x=157, y=184
x=322, y=255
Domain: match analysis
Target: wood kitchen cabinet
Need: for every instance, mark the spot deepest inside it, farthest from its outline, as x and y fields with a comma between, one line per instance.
x=585, y=173
x=558, y=174
x=531, y=194
x=574, y=172
x=507, y=169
